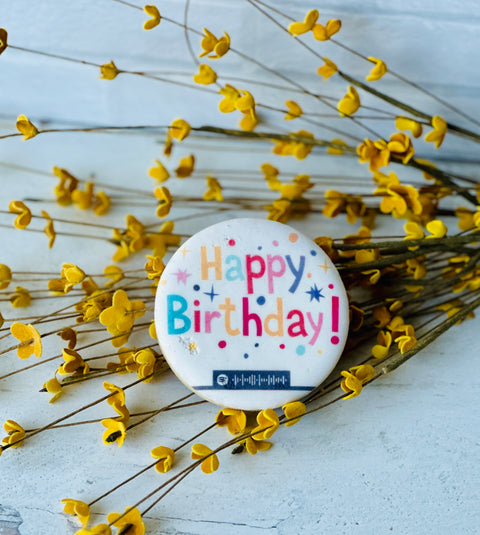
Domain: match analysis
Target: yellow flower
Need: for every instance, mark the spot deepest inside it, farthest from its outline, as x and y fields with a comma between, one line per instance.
x=30, y=340
x=146, y=359
x=122, y=314
x=99, y=529
x=268, y=423
x=5, y=276
x=70, y=336
x=15, y=433
x=114, y=273
x=439, y=130
x=293, y=411
x=131, y=519
x=127, y=362
x=298, y=28
x=210, y=43
x=49, y=229
x=299, y=149
x=375, y=152
x=406, y=342
x=154, y=267
x=53, y=386
x=323, y=33
x=230, y=96
x=378, y=71
x=328, y=69
x=214, y=191
x=21, y=298
x=185, y=166
x=24, y=214
x=465, y=218
x=437, y=229
x=109, y=71
x=166, y=458
x=155, y=19
x=165, y=201
x=206, y=75
x=163, y=239
x=116, y=431
x=26, y=127
x=252, y=445
x=179, y=129
x=159, y=172
x=3, y=40
x=234, y=419
x=413, y=230
x=77, y=508
x=74, y=363
x=152, y=331
x=349, y=103
x=294, y=110
x=117, y=397
x=102, y=203
x=400, y=146
x=210, y=463
x=405, y=123
x=355, y=378
x=67, y=185
x=249, y=122
x=384, y=341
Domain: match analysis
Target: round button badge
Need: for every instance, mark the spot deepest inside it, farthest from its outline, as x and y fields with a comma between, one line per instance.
x=251, y=314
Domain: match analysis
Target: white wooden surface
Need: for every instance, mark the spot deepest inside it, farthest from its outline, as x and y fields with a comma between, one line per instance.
x=401, y=458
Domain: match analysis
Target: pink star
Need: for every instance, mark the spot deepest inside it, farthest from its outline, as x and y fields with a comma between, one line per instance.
x=182, y=276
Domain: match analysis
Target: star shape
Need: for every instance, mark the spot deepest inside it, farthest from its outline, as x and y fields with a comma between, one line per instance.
x=184, y=251
x=324, y=266
x=315, y=293
x=211, y=293
x=182, y=276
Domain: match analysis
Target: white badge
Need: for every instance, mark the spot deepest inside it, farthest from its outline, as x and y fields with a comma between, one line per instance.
x=251, y=314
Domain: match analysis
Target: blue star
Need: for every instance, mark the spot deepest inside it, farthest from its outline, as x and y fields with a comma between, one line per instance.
x=211, y=293
x=315, y=293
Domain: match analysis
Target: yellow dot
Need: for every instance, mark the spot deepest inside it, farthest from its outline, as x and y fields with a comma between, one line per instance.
x=319, y=351
x=293, y=237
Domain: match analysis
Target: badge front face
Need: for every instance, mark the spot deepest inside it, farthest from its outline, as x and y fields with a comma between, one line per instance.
x=251, y=314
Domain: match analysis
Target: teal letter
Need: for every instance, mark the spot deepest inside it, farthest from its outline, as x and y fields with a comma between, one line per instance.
x=235, y=272
x=177, y=314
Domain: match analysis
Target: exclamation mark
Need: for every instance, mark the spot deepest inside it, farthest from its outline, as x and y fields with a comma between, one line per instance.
x=335, y=306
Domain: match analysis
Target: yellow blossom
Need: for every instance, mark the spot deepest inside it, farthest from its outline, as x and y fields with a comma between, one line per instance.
x=384, y=341
x=375, y=152
x=406, y=342
x=230, y=95
x=30, y=340
x=3, y=40
x=83, y=199
x=152, y=331
x=154, y=267
x=378, y=71
x=109, y=71
x=26, y=127
x=294, y=110
x=165, y=201
x=210, y=463
x=206, y=75
x=53, y=386
x=299, y=149
x=234, y=419
x=179, y=129
x=15, y=434
x=249, y=121
x=5, y=276
x=77, y=508
x=210, y=43
x=355, y=378
x=116, y=431
x=214, y=191
x=465, y=218
x=405, y=123
x=67, y=185
x=159, y=172
x=121, y=315
x=21, y=298
x=99, y=529
x=298, y=28
x=252, y=445
x=130, y=522
x=166, y=458
x=328, y=69
x=293, y=411
x=401, y=147
x=336, y=146
x=127, y=363
x=155, y=19
x=437, y=229
x=163, y=239
x=438, y=133
x=74, y=363
x=146, y=359
x=70, y=336
x=324, y=33
x=413, y=230
x=24, y=214
x=268, y=423
x=350, y=103
x=49, y=229
x=101, y=204
x=114, y=273
x=185, y=166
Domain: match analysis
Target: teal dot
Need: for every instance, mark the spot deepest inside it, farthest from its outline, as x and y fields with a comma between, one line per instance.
x=301, y=350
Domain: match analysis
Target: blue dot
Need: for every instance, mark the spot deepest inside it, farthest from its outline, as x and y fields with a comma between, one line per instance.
x=196, y=287
x=245, y=356
x=301, y=350
x=313, y=253
x=261, y=300
x=259, y=247
x=257, y=344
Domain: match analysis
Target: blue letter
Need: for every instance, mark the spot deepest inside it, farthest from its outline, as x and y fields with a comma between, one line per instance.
x=177, y=314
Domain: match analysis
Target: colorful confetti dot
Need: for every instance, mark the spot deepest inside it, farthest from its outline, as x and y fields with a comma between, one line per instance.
x=335, y=340
x=261, y=300
x=275, y=243
x=330, y=286
x=282, y=346
x=231, y=243
x=196, y=287
x=196, y=302
x=222, y=344
x=300, y=350
x=293, y=237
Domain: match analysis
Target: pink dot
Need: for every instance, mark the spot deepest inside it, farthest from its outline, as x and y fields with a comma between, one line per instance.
x=309, y=275
x=282, y=346
x=222, y=344
x=293, y=237
x=231, y=243
x=275, y=243
x=330, y=286
x=196, y=302
x=335, y=340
